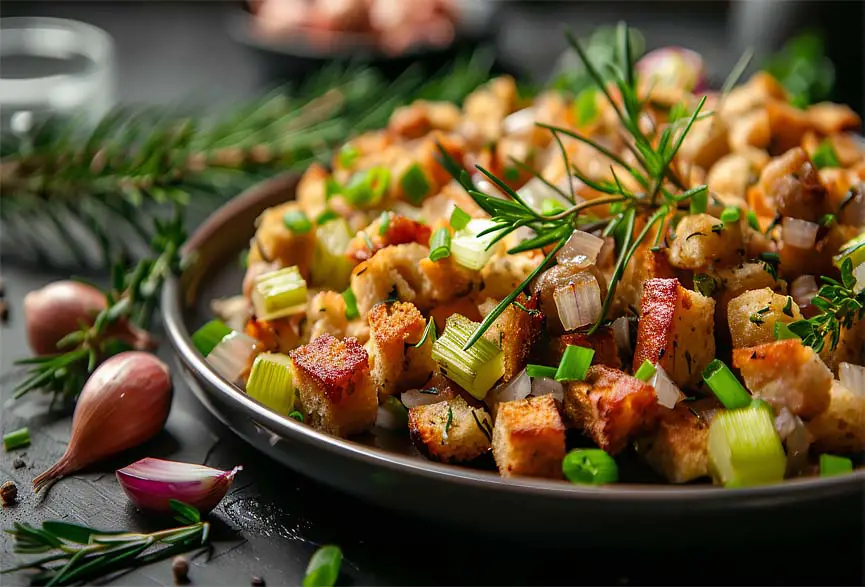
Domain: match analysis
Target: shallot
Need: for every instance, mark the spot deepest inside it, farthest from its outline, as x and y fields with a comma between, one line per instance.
x=151, y=484
x=124, y=403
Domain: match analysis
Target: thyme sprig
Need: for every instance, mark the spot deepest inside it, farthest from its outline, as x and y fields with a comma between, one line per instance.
x=840, y=305
x=121, y=325
x=81, y=553
x=662, y=189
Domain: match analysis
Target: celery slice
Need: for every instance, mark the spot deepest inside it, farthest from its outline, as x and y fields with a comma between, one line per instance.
x=744, y=448
x=477, y=369
x=854, y=249
x=279, y=293
x=330, y=267
x=470, y=250
x=271, y=382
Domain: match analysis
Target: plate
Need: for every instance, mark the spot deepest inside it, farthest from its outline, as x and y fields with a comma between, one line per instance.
x=383, y=467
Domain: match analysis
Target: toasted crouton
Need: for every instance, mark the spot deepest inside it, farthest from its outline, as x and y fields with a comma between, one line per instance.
x=395, y=363
x=420, y=117
x=790, y=186
x=676, y=329
x=326, y=315
x=529, y=438
x=703, y=240
x=610, y=407
x=273, y=241
x=786, y=374
x=830, y=118
x=750, y=130
x=450, y=431
x=645, y=264
x=504, y=273
x=850, y=348
x=788, y=124
x=706, y=142
x=601, y=341
x=841, y=428
x=753, y=314
x=733, y=173
x=311, y=192
x=334, y=387
x=281, y=335
x=678, y=449
x=515, y=332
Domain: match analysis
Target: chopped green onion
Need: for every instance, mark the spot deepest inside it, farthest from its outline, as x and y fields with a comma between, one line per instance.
x=726, y=387
x=470, y=250
x=331, y=188
x=351, y=311
x=366, y=188
x=550, y=207
x=429, y=333
x=825, y=156
x=16, y=439
x=209, y=335
x=330, y=267
x=279, y=293
x=827, y=220
x=744, y=448
x=271, y=382
x=534, y=371
x=590, y=466
x=414, y=184
x=297, y=222
x=440, y=244
x=783, y=332
x=753, y=222
x=585, y=106
x=384, y=223
x=477, y=369
x=460, y=218
x=326, y=217
x=834, y=465
x=763, y=404
x=731, y=214
x=646, y=371
x=348, y=154
x=323, y=567
x=575, y=363
x=244, y=259
x=296, y=415
x=700, y=201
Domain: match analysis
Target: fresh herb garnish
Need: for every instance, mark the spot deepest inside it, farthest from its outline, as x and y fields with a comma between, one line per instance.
x=825, y=156
x=788, y=307
x=323, y=568
x=448, y=423
x=429, y=333
x=770, y=263
x=488, y=433
x=758, y=316
x=705, y=284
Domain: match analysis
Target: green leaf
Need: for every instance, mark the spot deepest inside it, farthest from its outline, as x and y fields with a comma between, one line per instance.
x=323, y=568
x=73, y=532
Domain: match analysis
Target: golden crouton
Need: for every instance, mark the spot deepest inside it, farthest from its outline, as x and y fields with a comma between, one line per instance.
x=787, y=374
x=676, y=329
x=790, y=186
x=326, y=315
x=273, y=241
x=601, y=341
x=753, y=94
x=645, y=264
x=515, y=332
x=450, y=431
x=503, y=273
x=706, y=142
x=529, y=438
x=788, y=123
x=732, y=174
x=335, y=391
x=400, y=230
x=420, y=117
x=395, y=363
x=280, y=336
x=311, y=191
x=678, y=449
x=753, y=314
x=841, y=428
x=610, y=407
x=732, y=282
x=703, y=240
x=829, y=118
x=750, y=130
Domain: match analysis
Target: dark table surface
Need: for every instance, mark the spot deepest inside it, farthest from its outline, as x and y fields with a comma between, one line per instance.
x=274, y=518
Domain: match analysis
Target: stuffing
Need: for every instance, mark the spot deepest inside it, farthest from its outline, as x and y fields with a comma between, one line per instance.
x=399, y=230
x=515, y=332
x=395, y=363
x=703, y=240
x=678, y=448
x=274, y=242
x=420, y=117
x=277, y=336
x=841, y=427
x=326, y=315
x=790, y=186
x=529, y=438
x=601, y=341
x=752, y=316
x=450, y=431
x=645, y=264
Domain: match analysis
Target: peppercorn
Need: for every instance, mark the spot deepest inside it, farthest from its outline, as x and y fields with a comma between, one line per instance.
x=8, y=493
x=180, y=568
x=18, y=463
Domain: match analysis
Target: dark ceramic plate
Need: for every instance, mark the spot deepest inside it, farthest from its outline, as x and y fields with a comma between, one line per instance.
x=385, y=469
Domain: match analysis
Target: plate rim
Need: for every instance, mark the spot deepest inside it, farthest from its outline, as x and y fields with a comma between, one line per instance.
x=790, y=490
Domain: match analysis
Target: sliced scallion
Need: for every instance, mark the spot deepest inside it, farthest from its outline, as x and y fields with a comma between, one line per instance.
x=459, y=218
x=744, y=448
x=295, y=415
x=351, y=311
x=366, y=188
x=323, y=567
x=834, y=465
x=752, y=220
x=575, y=363
x=326, y=217
x=536, y=371
x=209, y=335
x=271, y=382
x=440, y=244
x=725, y=386
x=477, y=369
x=297, y=222
x=348, y=154
x=414, y=184
x=590, y=466
x=731, y=214
x=16, y=439
x=470, y=250
x=279, y=293
x=384, y=223
x=550, y=206
x=646, y=371
x=825, y=156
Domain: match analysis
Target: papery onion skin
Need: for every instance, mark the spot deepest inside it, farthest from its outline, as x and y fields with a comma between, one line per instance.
x=150, y=489
x=124, y=403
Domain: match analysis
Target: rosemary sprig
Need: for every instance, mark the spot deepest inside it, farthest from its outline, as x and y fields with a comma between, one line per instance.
x=121, y=325
x=81, y=553
x=840, y=306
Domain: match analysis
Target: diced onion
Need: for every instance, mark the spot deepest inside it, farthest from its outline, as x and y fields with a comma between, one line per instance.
x=854, y=211
x=581, y=248
x=803, y=289
x=852, y=377
x=794, y=435
x=518, y=387
x=520, y=122
x=415, y=397
x=859, y=274
x=578, y=302
x=622, y=334
x=470, y=250
x=546, y=386
x=666, y=391
x=233, y=356
x=391, y=415
x=799, y=233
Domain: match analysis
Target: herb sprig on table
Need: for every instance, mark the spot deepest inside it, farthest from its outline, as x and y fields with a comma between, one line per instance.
x=77, y=553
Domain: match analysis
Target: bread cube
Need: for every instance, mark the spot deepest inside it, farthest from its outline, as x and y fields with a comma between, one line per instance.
x=750, y=130
x=830, y=118
x=273, y=241
x=850, y=349
x=601, y=341
x=678, y=448
x=790, y=186
x=703, y=240
x=450, y=431
x=515, y=332
x=645, y=264
x=395, y=363
x=753, y=314
x=610, y=407
x=706, y=142
x=841, y=428
x=788, y=124
x=529, y=438
x=311, y=191
x=732, y=174
x=676, y=330
x=335, y=392
x=787, y=374
x=326, y=315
